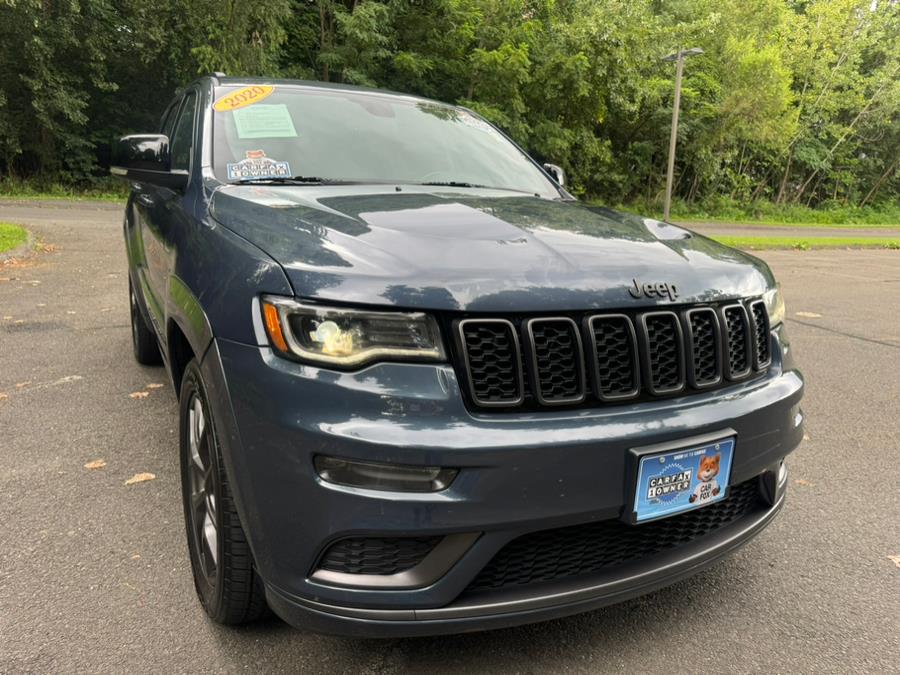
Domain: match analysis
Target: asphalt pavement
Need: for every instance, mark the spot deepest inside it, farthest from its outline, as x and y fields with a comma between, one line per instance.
x=94, y=573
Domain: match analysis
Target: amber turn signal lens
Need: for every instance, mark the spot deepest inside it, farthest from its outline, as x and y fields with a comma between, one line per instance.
x=273, y=326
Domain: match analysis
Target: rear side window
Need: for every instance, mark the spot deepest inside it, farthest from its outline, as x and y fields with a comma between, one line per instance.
x=183, y=138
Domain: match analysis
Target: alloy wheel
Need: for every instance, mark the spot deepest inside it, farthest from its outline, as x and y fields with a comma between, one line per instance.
x=202, y=479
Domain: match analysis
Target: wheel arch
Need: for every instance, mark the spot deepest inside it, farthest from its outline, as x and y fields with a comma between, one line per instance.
x=188, y=331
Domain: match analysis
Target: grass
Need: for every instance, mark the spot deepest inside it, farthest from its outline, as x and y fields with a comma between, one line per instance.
x=11, y=236
x=770, y=223
x=766, y=213
x=807, y=243
x=106, y=190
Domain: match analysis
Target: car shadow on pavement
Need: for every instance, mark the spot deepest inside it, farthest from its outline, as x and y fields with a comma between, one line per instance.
x=678, y=616
x=603, y=636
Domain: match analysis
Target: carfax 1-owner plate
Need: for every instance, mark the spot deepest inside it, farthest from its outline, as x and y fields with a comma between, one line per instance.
x=682, y=479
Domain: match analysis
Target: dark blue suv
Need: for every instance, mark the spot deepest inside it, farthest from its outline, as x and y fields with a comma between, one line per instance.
x=422, y=388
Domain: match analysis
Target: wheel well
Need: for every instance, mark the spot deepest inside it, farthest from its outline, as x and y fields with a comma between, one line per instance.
x=180, y=354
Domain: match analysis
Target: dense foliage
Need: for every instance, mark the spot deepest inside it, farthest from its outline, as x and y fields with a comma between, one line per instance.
x=794, y=101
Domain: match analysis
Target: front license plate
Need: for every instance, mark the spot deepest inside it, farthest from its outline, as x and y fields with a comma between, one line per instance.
x=684, y=479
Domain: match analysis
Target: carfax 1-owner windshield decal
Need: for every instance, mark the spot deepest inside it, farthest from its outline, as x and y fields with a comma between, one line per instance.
x=256, y=165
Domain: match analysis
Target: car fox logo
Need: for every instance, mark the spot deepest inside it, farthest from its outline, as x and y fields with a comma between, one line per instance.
x=657, y=290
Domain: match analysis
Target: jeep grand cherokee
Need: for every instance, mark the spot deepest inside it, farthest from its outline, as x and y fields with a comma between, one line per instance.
x=422, y=388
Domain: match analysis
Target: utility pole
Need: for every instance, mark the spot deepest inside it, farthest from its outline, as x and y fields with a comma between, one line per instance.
x=678, y=57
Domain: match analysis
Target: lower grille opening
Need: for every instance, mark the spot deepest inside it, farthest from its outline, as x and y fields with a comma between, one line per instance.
x=552, y=555
x=376, y=555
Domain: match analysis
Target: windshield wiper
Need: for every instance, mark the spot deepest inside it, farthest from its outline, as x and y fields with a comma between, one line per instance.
x=295, y=180
x=315, y=180
x=463, y=184
x=452, y=183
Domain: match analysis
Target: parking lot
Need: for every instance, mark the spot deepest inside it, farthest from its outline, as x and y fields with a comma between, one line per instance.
x=94, y=574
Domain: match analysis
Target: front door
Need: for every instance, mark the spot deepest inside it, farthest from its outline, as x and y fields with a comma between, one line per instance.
x=162, y=212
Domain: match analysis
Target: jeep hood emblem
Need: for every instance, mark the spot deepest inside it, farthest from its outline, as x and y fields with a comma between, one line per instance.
x=653, y=290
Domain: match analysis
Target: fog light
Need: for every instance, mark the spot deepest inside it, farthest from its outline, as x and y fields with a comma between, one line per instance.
x=782, y=474
x=371, y=476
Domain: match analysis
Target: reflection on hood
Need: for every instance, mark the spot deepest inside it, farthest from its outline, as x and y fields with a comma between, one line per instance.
x=478, y=250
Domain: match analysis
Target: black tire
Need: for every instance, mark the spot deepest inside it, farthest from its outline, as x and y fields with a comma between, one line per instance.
x=227, y=584
x=146, y=349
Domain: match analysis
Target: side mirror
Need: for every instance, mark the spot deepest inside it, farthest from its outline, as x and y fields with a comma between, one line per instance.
x=556, y=173
x=145, y=158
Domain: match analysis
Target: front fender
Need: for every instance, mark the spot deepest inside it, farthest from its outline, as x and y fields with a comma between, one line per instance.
x=215, y=277
x=184, y=310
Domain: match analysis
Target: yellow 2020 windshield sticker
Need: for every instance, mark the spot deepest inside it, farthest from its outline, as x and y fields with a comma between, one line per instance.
x=242, y=97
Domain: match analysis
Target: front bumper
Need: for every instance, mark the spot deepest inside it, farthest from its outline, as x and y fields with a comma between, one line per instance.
x=560, y=600
x=519, y=473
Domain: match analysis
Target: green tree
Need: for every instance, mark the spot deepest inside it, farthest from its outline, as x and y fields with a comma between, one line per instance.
x=795, y=101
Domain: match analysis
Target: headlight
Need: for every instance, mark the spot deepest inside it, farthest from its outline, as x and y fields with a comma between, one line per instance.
x=774, y=305
x=347, y=338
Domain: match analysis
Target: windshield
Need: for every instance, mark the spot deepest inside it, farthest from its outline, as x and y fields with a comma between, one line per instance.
x=283, y=131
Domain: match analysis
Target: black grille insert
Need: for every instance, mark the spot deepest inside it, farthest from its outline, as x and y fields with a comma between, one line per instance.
x=760, y=318
x=557, y=357
x=664, y=352
x=568, y=552
x=376, y=555
x=491, y=352
x=614, y=356
x=704, y=351
x=737, y=341
x=534, y=363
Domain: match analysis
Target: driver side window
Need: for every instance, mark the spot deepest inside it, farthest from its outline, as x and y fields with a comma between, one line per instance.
x=182, y=140
x=168, y=121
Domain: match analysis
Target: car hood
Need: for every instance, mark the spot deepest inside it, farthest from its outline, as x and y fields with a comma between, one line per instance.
x=476, y=250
